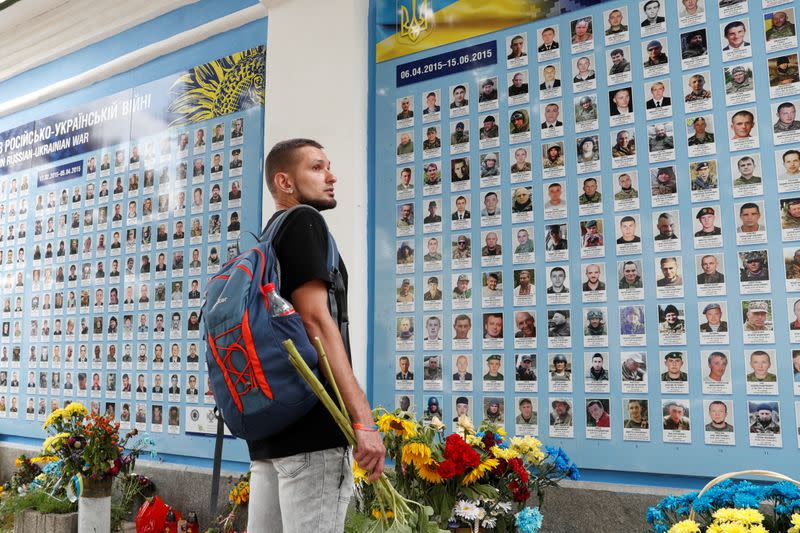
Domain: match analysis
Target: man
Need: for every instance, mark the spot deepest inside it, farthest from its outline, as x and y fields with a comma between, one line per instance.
x=581, y=33
x=596, y=371
x=462, y=407
x=462, y=325
x=517, y=47
x=786, y=118
x=626, y=191
x=630, y=276
x=695, y=45
x=665, y=226
x=461, y=212
x=525, y=371
x=625, y=146
x=404, y=293
x=627, y=227
x=461, y=374
x=674, y=362
x=658, y=99
x=669, y=271
x=793, y=266
x=781, y=27
x=459, y=97
x=760, y=362
x=488, y=91
x=548, y=40
x=672, y=323
x=560, y=372
x=554, y=241
x=660, y=140
x=554, y=158
x=742, y=123
x=526, y=414
x=493, y=365
x=525, y=286
x=560, y=416
x=525, y=243
x=615, y=24
x=592, y=237
x=493, y=326
x=709, y=275
x=631, y=368
x=549, y=79
x=784, y=73
x=598, y=417
x=431, y=107
x=460, y=170
x=740, y=82
x=590, y=193
x=655, y=55
x=525, y=325
x=492, y=247
x=676, y=420
x=756, y=320
x=433, y=217
x=585, y=73
x=585, y=111
x=433, y=294
x=794, y=325
x=619, y=64
x=755, y=268
x=735, y=33
x=698, y=91
x=652, y=17
x=460, y=135
x=493, y=412
x=462, y=291
x=406, y=219
x=404, y=374
x=551, y=112
x=433, y=371
x=219, y=135
x=700, y=136
x=518, y=86
x=433, y=325
x=557, y=278
x=764, y=421
x=490, y=202
x=595, y=324
x=706, y=217
x=519, y=123
x=432, y=410
x=406, y=146
x=621, y=102
x=491, y=290
x=747, y=168
x=750, y=215
x=489, y=166
x=558, y=324
x=593, y=282
x=791, y=213
x=407, y=112
x=717, y=365
x=433, y=141
x=298, y=172
x=236, y=162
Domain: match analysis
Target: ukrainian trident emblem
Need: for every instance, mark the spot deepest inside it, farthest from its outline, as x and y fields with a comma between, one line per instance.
x=416, y=23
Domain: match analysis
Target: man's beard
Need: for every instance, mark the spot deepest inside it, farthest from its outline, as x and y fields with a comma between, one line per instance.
x=318, y=204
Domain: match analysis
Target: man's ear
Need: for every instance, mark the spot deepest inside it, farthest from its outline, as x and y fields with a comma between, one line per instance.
x=283, y=182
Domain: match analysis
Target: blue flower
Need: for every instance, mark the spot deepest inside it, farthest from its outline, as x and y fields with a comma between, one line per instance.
x=529, y=520
x=654, y=515
x=573, y=472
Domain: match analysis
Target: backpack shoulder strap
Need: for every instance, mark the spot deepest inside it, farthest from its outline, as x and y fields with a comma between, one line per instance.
x=215, y=475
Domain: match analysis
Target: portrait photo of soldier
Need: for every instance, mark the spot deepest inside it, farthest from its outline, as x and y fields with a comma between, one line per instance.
x=588, y=149
x=760, y=363
x=489, y=165
x=459, y=169
x=521, y=161
x=710, y=270
x=616, y=21
x=460, y=133
x=620, y=101
x=666, y=226
x=676, y=415
x=555, y=239
x=405, y=105
x=779, y=24
x=524, y=283
x=405, y=216
x=750, y=218
x=747, y=170
x=697, y=89
x=551, y=114
x=673, y=362
x=713, y=313
x=595, y=323
x=764, y=418
x=652, y=13
x=670, y=272
x=433, y=250
x=792, y=264
x=670, y=319
x=521, y=200
x=660, y=137
x=405, y=292
x=549, y=77
x=593, y=275
x=431, y=103
x=585, y=109
x=596, y=371
x=739, y=79
x=527, y=414
x=700, y=130
x=558, y=281
x=517, y=47
x=591, y=233
x=548, y=39
x=694, y=44
x=491, y=204
x=493, y=366
x=624, y=143
x=461, y=212
x=786, y=114
x=706, y=217
x=432, y=368
x=691, y=8
x=459, y=97
x=735, y=38
x=462, y=372
x=462, y=248
x=493, y=410
x=518, y=85
x=490, y=129
x=757, y=316
x=519, y=122
x=582, y=30
x=630, y=276
x=488, y=90
x=462, y=408
x=755, y=266
x=597, y=412
x=636, y=414
x=582, y=70
x=434, y=293
x=659, y=95
x=560, y=368
x=558, y=323
x=524, y=242
x=561, y=415
x=619, y=63
x=627, y=186
x=742, y=125
x=717, y=367
x=525, y=323
x=654, y=52
x=404, y=372
x=493, y=325
x=433, y=215
x=405, y=145
x=553, y=156
x=634, y=366
x=790, y=161
x=492, y=285
x=462, y=324
x=783, y=70
x=628, y=227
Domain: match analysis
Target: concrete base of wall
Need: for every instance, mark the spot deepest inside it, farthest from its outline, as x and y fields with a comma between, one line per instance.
x=574, y=506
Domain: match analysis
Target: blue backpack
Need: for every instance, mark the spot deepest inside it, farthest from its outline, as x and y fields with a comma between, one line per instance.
x=255, y=386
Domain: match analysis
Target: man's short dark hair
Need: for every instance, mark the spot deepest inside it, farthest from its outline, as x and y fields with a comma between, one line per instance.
x=717, y=402
x=789, y=152
x=735, y=24
x=282, y=158
x=785, y=105
x=524, y=401
x=749, y=205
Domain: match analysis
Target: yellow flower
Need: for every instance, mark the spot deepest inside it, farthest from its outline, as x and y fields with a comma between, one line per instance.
x=416, y=453
x=479, y=471
x=529, y=447
x=44, y=459
x=427, y=472
x=472, y=440
x=359, y=474
x=500, y=431
x=746, y=516
x=405, y=428
x=466, y=424
x=507, y=453
x=76, y=409
x=377, y=514
x=795, y=524
x=437, y=424
x=686, y=526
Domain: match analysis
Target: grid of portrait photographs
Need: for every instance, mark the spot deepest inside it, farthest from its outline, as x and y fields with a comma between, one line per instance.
x=103, y=277
x=592, y=215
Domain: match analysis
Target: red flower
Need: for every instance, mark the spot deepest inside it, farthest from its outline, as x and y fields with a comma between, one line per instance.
x=447, y=469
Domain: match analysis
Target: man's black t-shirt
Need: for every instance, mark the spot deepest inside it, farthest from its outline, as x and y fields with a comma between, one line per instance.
x=301, y=247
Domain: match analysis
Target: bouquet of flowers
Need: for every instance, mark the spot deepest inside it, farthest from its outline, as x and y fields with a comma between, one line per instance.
x=730, y=506
x=470, y=479
x=88, y=446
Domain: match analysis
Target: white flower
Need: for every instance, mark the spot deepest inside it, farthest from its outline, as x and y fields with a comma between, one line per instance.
x=504, y=506
x=481, y=513
x=489, y=522
x=467, y=509
x=437, y=424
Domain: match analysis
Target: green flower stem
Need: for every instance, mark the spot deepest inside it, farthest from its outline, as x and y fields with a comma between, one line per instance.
x=323, y=357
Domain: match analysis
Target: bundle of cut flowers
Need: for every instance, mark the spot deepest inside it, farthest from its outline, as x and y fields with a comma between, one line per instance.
x=730, y=507
x=469, y=479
